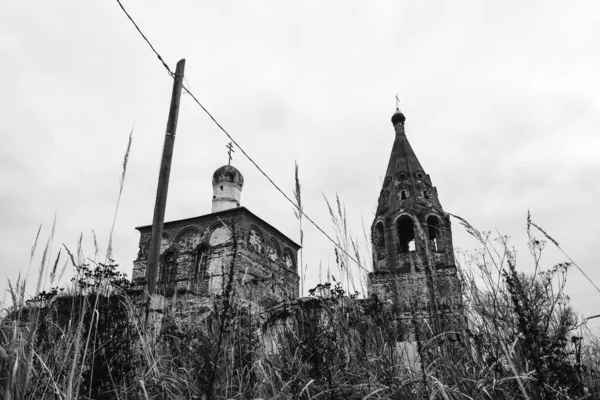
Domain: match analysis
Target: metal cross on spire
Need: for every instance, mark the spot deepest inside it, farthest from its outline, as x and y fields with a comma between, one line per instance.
x=397, y=102
x=229, y=151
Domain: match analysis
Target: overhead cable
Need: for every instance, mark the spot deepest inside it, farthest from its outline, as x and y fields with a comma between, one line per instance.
x=234, y=142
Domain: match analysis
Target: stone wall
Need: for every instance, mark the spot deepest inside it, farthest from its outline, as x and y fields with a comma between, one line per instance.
x=435, y=242
x=414, y=268
x=197, y=256
x=434, y=297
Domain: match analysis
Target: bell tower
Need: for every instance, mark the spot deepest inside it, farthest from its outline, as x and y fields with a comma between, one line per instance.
x=413, y=256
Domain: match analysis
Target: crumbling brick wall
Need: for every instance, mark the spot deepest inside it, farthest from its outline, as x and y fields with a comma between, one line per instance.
x=421, y=295
x=197, y=254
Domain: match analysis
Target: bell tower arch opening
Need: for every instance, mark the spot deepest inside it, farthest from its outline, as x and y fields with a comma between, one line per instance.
x=406, y=234
x=434, y=233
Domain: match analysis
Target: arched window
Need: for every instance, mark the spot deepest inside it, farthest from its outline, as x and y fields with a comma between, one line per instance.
x=288, y=259
x=404, y=194
x=219, y=235
x=255, y=239
x=164, y=245
x=433, y=232
x=406, y=234
x=201, y=262
x=379, y=240
x=273, y=250
x=168, y=269
x=187, y=240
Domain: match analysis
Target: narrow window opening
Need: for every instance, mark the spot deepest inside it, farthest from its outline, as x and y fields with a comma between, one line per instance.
x=433, y=232
x=425, y=194
x=221, y=188
x=168, y=269
x=406, y=234
x=201, y=263
x=256, y=240
x=167, y=273
x=403, y=195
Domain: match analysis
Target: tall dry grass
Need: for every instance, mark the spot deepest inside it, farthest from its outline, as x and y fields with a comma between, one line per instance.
x=521, y=338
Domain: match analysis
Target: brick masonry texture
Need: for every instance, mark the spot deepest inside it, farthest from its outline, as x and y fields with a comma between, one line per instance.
x=413, y=256
x=414, y=270
x=197, y=255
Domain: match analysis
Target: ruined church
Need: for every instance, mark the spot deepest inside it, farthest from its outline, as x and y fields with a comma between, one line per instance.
x=199, y=255
x=413, y=259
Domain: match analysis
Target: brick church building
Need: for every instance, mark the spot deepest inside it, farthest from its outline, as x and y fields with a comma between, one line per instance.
x=198, y=254
x=413, y=258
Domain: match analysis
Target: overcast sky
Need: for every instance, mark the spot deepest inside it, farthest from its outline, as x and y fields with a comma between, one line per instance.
x=501, y=99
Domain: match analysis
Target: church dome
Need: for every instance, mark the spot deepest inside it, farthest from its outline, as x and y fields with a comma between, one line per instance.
x=398, y=117
x=228, y=173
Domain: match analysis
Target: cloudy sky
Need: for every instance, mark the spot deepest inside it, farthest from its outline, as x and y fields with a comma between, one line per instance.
x=501, y=98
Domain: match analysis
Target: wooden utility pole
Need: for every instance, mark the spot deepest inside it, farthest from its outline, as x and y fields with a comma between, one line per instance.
x=163, y=180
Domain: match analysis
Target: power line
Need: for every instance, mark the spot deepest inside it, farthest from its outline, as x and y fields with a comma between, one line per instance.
x=270, y=180
x=238, y=146
x=146, y=39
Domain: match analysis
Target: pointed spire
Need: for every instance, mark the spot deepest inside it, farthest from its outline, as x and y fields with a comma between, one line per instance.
x=406, y=184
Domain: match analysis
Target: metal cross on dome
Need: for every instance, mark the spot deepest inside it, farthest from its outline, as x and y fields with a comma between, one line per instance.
x=229, y=151
x=397, y=102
